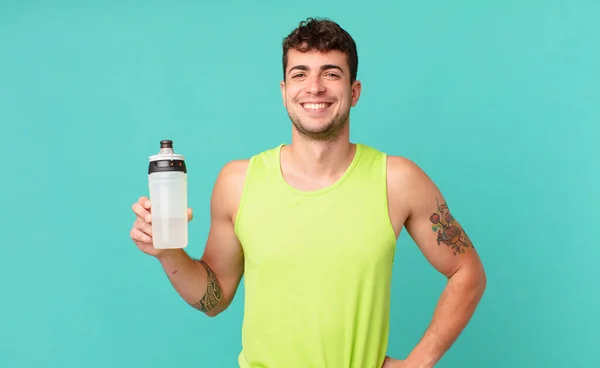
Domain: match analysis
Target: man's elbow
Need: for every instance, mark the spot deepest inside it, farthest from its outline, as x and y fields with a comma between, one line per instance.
x=478, y=279
x=213, y=313
x=472, y=276
x=222, y=306
x=221, y=301
x=481, y=282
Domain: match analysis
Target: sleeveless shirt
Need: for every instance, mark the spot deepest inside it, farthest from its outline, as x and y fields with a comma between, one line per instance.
x=318, y=266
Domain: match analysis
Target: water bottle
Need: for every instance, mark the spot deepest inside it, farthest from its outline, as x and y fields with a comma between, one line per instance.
x=167, y=181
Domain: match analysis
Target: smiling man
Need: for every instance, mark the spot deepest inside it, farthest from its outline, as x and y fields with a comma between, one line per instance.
x=313, y=225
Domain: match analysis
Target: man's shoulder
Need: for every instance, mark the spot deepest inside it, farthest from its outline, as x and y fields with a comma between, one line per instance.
x=235, y=170
x=400, y=169
x=230, y=183
x=235, y=167
x=405, y=175
x=408, y=186
x=401, y=163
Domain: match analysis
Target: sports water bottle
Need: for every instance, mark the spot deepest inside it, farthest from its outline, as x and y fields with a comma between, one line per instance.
x=167, y=181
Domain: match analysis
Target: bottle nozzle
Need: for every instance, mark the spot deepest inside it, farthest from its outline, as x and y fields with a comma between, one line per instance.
x=166, y=146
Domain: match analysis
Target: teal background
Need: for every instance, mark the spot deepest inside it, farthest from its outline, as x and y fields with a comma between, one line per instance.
x=497, y=101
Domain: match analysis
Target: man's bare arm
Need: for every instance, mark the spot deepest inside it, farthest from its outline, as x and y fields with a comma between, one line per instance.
x=210, y=284
x=448, y=248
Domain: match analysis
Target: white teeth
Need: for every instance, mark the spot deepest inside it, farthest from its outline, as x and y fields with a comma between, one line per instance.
x=315, y=106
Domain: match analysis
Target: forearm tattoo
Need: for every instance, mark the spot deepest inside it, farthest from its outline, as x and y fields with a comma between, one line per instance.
x=213, y=294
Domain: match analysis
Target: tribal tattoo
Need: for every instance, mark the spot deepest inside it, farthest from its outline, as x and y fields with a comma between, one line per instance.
x=449, y=231
x=213, y=294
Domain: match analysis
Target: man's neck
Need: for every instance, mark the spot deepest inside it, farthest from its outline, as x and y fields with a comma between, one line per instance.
x=320, y=159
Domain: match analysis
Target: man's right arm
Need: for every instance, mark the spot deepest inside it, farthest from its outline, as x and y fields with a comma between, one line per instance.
x=210, y=284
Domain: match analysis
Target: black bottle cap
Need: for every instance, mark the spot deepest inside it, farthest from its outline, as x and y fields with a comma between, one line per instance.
x=166, y=159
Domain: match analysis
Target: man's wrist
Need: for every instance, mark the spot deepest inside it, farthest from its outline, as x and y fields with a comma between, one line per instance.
x=421, y=356
x=413, y=363
x=167, y=256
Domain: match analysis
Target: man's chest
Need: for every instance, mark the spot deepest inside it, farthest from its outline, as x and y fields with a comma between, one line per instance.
x=300, y=229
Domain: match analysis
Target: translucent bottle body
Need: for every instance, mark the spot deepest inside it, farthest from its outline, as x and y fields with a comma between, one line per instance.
x=168, y=195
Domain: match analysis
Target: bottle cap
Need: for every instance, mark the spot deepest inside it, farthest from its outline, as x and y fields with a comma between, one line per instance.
x=166, y=159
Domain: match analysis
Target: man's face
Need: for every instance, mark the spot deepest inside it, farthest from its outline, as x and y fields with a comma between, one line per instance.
x=317, y=93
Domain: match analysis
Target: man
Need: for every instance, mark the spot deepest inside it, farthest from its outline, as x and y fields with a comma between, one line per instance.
x=313, y=225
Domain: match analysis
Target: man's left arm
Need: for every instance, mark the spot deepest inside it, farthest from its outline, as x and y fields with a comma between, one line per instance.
x=447, y=247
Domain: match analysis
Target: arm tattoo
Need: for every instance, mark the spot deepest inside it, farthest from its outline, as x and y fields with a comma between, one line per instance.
x=449, y=231
x=213, y=294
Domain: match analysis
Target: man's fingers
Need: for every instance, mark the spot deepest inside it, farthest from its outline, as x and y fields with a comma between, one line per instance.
x=141, y=212
x=190, y=214
x=139, y=236
x=143, y=226
x=145, y=202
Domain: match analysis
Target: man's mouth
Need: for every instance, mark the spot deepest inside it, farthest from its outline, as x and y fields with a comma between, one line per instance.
x=316, y=106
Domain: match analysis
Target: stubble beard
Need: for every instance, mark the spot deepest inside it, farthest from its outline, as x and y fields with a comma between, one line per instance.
x=329, y=132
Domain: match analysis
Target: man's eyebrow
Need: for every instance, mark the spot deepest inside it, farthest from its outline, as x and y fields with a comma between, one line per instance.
x=332, y=66
x=298, y=67
x=323, y=67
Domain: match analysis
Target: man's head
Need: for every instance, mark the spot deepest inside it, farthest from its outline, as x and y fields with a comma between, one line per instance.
x=319, y=84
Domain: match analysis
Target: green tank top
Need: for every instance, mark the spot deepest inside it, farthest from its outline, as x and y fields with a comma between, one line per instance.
x=318, y=267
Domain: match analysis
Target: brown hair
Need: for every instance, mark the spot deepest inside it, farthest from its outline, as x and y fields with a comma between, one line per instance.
x=322, y=35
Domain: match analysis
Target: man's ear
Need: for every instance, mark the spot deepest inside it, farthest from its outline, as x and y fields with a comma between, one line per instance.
x=356, y=91
x=282, y=87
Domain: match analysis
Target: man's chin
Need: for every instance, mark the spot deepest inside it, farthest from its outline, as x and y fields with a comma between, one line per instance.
x=325, y=132
x=317, y=128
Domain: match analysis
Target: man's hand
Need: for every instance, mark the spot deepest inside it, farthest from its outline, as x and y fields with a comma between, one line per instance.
x=141, y=232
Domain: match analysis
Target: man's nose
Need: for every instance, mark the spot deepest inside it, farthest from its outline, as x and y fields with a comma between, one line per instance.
x=315, y=86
